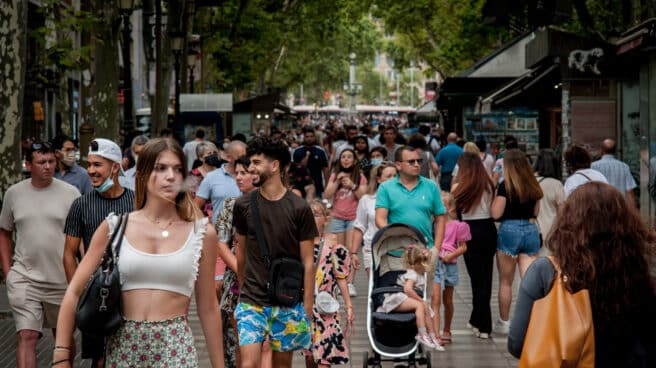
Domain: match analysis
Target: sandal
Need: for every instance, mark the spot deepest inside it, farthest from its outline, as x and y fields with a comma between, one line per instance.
x=446, y=339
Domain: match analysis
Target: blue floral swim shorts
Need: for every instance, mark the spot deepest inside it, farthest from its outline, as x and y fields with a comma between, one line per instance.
x=288, y=328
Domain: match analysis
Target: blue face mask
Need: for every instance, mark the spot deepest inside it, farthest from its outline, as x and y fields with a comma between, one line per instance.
x=105, y=186
x=376, y=161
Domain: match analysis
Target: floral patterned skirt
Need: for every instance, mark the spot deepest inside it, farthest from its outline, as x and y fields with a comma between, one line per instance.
x=155, y=344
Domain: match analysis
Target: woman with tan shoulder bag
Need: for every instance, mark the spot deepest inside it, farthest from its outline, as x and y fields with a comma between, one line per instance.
x=592, y=304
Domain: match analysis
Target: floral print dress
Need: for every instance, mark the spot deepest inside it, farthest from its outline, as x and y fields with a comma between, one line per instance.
x=230, y=296
x=328, y=339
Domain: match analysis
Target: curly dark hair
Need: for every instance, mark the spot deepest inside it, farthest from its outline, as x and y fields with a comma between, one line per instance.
x=603, y=245
x=272, y=148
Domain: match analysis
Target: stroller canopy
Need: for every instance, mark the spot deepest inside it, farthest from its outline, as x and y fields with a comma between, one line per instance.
x=389, y=244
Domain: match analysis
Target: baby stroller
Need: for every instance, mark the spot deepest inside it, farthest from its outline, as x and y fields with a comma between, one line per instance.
x=392, y=334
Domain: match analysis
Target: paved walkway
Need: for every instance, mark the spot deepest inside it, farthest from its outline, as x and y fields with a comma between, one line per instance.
x=466, y=350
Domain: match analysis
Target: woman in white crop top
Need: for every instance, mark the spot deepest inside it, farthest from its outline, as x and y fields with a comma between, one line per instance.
x=168, y=252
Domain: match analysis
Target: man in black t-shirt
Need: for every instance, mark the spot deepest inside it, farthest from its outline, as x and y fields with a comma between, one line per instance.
x=289, y=229
x=89, y=211
x=314, y=158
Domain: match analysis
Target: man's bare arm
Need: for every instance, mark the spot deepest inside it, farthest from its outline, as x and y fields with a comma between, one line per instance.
x=6, y=249
x=71, y=248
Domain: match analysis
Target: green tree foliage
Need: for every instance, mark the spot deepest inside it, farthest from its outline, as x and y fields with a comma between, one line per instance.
x=257, y=45
x=449, y=36
x=608, y=17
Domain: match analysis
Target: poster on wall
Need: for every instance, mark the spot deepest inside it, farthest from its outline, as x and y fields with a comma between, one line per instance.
x=493, y=127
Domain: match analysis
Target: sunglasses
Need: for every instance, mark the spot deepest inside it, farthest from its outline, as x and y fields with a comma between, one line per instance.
x=93, y=145
x=417, y=161
x=41, y=146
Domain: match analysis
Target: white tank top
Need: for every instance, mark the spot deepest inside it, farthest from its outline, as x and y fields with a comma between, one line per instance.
x=175, y=271
x=482, y=210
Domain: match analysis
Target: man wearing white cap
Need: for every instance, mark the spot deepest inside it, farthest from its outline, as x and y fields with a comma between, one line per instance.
x=88, y=211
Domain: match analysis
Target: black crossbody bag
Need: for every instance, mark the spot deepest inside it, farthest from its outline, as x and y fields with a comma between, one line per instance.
x=99, y=309
x=285, y=279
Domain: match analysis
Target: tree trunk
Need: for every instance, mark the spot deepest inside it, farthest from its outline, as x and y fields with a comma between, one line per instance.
x=13, y=38
x=163, y=69
x=104, y=101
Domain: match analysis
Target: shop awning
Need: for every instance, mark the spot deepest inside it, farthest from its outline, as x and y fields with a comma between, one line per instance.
x=640, y=37
x=514, y=87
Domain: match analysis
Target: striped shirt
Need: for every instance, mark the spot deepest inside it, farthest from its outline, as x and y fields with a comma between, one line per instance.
x=616, y=171
x=90, y=210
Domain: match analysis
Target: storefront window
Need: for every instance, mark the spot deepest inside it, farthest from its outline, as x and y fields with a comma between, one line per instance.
x=494, y=126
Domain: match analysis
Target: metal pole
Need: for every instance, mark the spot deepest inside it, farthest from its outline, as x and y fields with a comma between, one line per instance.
x=127, y=77
x=398, y=90
x=352, y=82
x=380, y=89
x=191, y=79
x=565, y=123
x=178, y=131
x=412, y=82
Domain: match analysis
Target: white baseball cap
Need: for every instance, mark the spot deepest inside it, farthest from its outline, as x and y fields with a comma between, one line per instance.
x=107, y=149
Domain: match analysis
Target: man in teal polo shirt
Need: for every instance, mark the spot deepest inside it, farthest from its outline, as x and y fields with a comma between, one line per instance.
x=412, y=199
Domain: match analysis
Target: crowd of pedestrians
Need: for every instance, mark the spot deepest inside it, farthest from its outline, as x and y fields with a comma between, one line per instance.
x=213, y=220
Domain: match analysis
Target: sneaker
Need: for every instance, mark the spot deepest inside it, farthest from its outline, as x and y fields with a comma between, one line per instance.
x=426, y=341
x=483, y=335
x=351, y=290
x=501, y=327
x=474, y=329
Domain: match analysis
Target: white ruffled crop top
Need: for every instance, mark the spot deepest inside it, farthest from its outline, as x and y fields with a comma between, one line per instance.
x=176, y=271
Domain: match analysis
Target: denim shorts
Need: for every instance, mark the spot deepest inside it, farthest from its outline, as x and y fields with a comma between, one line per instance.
x=518, y=236
x=446, y=274
x=340, y=226
x=288, y=328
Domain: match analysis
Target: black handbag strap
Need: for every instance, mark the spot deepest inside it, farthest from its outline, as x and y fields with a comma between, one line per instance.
x=259, y=231
x=112, y=252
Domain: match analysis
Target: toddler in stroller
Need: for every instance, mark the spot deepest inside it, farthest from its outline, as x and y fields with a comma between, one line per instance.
x=413, y=281
x=399, y=334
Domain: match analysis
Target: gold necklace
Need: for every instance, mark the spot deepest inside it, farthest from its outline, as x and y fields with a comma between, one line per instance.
x=165, y=233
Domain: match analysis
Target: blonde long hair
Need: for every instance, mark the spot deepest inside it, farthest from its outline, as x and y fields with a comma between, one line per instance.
x=374, y=174
x=186, y=208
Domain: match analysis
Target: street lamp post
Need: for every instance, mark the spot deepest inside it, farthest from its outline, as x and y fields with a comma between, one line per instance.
x=126, y=7
x=412, y=83
x=352, y=88
x=191, y=65
x=177, y=40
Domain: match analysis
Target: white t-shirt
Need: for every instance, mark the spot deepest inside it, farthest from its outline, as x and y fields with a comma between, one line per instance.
x=581, y=177
x=365, y=218
x=189, y=150
x=411, y=274
x=553, y=196
x=38, y=216
x=488, y=163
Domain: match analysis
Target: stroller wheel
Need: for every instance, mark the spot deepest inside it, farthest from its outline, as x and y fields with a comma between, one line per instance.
x=428, y=359
x=365, y=359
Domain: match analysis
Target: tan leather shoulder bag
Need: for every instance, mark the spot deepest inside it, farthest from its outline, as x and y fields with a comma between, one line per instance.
x=560, y=331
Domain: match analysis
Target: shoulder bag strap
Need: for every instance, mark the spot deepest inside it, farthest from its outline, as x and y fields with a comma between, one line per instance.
x=582, y=174
x=259, y=231
x=555, y=265
x=114, y=245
